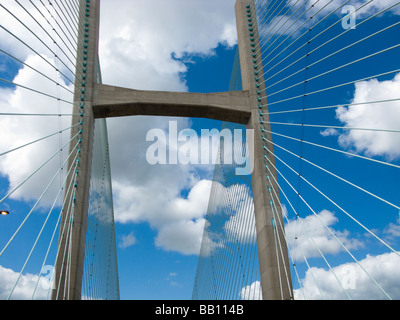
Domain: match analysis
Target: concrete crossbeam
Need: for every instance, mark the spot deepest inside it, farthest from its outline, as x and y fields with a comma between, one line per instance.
x=111, y=101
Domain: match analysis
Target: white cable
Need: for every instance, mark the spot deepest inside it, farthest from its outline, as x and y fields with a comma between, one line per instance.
x=334, y=203
x=40, y=167
x=326, y=261
x=330, y=231
x=58, y=221
x=33, y=208
x=40, y=232
x=333, y=149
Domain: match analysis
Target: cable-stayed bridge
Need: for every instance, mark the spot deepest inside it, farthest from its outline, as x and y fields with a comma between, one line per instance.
x=315, y=91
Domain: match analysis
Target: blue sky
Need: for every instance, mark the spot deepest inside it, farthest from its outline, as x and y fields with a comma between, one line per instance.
x=202, y=76
x=375, y=178
x=172, y=48
x=145, y=271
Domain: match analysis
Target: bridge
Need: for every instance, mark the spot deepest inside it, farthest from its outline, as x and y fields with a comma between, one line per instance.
x=308, y=206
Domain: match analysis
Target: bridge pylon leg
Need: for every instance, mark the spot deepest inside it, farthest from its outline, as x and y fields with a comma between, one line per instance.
x=68, y=274
x=272, y=248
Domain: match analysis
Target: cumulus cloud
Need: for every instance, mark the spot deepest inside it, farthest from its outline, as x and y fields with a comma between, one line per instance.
x=251, y=292
x=377, y=6
x=211, y=241
x=127, y=240
x=241, y=224
x=20, y=130
x=183, y=236
x=329, y=132
x=363, y=8
x=303, y=237
x=228, y=221
x=47, y=69
x=294, y=22
x=393, y=229
x=178, y=219
x=26, y=285
x=320, y=283
x=376, y=116
x=142, y=43
x=195, y=205
x=11, y=44
x=323, y=284
x=167, y=196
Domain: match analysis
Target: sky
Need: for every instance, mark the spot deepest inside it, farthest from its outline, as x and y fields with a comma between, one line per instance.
x=156, y=53
x=175, y=51
x=190, y=45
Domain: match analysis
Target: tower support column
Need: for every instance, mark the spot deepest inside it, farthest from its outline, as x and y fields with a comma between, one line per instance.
x=68, y=275
x=271, y=241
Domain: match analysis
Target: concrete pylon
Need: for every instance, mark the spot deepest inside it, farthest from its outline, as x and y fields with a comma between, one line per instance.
x=274, y=266
x=67, y=283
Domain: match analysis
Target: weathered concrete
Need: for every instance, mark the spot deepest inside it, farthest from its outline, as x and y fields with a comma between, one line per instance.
x=110, y=101
x=274, y=268
x=70, y=259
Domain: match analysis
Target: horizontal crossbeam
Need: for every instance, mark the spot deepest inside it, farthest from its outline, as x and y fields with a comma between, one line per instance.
x=111, y=101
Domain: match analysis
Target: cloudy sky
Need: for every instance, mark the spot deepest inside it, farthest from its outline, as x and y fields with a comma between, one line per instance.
x=154, y=48
x=143, y=45
x=189, y=45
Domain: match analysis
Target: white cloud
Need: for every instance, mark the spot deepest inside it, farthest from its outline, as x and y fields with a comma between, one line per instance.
x=329, y=132
x=26, y=285
x=376, y=6
x=251, y=292
x=322, y=284
x=228, y=221
x=241, y=225
x=142, y=46
x=194, y=206
x=10, y=43
x=301, y=236
x=161, y=205
x=171, y=276
x=178, y=220
x=383, y=268
x=211, y=241
x=127, y=240
x=366, y=9
x=377, y=116
x=283, y=25
x=229, y=35
x=303, y=10
x=141, y=42
x=19, y=130
x=22, y=42
x=183, y=236
x=153, y=193
x=393, y=229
